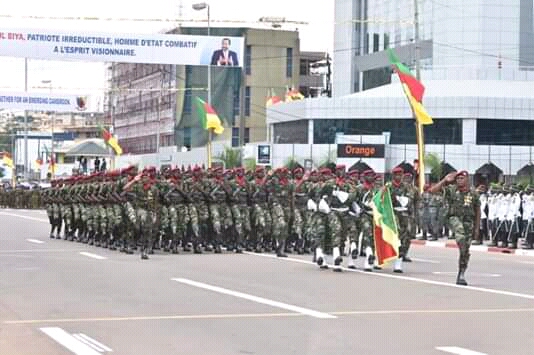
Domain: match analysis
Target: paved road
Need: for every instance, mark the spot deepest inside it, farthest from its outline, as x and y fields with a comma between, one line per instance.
x=59, y=297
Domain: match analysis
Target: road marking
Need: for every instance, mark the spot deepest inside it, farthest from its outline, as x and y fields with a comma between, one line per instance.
x=458, y=351
x=257, y=299
x=407, y=278
x=426, y=261
x=471, y=273
x=433, y=311
x=98, y=346
x=94, y=256
x=68, y=341
x=33, y=251
x=25, y=217
x=36, y=241
x=262, y=315
x=526, y=262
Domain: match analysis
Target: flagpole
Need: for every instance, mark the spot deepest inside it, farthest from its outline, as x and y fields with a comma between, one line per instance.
x=210, y=137
x=419, y=133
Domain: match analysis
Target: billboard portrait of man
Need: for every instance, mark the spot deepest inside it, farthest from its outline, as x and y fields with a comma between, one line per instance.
x=224, y=56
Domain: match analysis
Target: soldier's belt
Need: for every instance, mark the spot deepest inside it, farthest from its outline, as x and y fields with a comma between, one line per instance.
x=339, y=209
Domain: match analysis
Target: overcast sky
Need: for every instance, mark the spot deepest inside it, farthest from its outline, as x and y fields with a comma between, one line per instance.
x=83, y=77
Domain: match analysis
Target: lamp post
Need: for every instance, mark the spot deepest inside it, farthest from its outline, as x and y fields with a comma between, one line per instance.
x=53, y=159
x=199, y=7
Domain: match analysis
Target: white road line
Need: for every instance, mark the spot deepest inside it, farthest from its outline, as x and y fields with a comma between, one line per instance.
x=408, y=278
x=94, y=256
x=36, y=241
x=2, y=252
x=426, y=261
x=257, y=299
x=24, y=217
x=88, y=343
x=68, y=341
x=95, y=342
x=471, y=273
x=526, y=262
x=458, y=351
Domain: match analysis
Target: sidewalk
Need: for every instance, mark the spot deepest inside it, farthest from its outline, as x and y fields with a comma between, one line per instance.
x=450, y=243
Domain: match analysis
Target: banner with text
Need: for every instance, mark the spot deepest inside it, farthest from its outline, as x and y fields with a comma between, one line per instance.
x=43, y=102
x=126, y=48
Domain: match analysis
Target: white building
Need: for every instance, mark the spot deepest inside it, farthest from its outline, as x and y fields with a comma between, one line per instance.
x=477, y=64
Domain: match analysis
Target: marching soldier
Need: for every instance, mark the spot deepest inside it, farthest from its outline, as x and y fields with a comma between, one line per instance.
x=464, y=215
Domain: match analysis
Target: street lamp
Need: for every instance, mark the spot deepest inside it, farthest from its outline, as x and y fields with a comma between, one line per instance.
x=53, y=159
x=199, y=7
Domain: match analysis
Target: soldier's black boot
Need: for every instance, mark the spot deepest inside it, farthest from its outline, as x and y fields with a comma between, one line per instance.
x=144, y=254
x=280, y=250
x=198, y=249
x=460, y=279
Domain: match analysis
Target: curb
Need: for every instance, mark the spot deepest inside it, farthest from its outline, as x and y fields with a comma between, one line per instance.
x=481, y=248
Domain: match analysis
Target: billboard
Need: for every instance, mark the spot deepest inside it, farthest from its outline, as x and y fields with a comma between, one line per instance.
x=361, y=151
x=125, y=48
x=42, y=102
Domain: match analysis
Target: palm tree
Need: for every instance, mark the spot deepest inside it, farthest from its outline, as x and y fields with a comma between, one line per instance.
x=230, y=157
x=434, y=163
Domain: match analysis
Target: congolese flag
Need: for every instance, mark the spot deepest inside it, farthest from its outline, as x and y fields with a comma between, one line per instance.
x=413, y=89
x=386, y=233
x=111, y=140
x=208, y=117
x=8, y=161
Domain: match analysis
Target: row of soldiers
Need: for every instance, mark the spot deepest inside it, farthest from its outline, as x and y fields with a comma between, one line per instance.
x=20, y=198
x=327, y=211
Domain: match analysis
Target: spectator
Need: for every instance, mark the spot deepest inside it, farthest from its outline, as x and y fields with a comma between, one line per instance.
x=103, y=166
x=97, y=164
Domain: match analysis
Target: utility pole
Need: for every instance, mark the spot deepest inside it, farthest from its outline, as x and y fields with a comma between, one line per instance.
x=419, y=127
x=26, y=167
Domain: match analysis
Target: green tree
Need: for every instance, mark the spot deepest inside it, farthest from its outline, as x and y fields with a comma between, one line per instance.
x=435, y=165
x=230, y=157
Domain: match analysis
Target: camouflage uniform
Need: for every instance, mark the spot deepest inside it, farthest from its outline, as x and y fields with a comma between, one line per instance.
x=462, y=207
x=405, y=213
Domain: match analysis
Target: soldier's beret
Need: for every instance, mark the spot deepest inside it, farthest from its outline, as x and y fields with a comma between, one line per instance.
x=325, y=171
x=462, y=173
x=397, y=170
x=354, y=173
x=368, y=172
x=298, y=170
x=340, y=167
x=408, y=174
x=260, y=168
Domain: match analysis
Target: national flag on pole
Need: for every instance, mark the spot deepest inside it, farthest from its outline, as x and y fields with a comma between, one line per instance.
x=413, y=89
x=272, y=99
x=208, y=117
x=111, y=140
x=418, y=109
x=8, y=161
x=386, y=232
x=416, y=88
x=293, y=95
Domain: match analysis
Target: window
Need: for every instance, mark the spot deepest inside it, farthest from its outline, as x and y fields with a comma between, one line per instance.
x=247, y=135
x=187, y=137
x=443, y=131
x=248, y=60
x=236, y=106
x=289, y=62
x=386, y=41
x=304, y=65
x=366, y=44
x=376, y=42
x=235, y=136
x=247, y=101
x=505, y=132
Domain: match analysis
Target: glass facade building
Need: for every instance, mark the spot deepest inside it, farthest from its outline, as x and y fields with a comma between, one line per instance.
x=477, y=65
